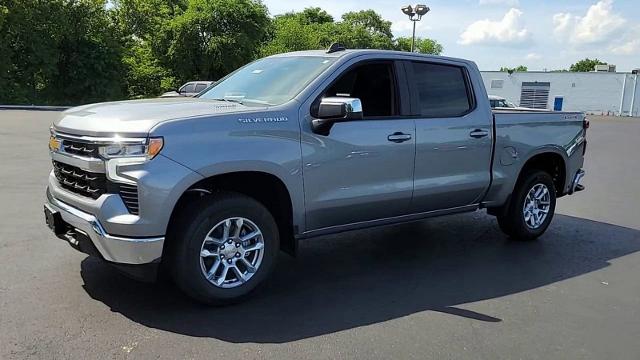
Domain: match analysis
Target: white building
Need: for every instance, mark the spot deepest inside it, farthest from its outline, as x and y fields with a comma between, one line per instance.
x=598, y=93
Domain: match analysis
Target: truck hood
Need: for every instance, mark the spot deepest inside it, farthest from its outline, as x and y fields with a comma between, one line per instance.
x=137, y=117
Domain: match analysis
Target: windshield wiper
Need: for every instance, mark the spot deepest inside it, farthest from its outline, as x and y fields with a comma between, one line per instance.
x=237, y=101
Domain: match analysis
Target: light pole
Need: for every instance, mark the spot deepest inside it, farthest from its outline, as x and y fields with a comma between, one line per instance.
x=415, y=14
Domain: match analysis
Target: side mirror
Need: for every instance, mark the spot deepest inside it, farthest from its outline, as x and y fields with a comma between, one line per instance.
x=336, y=109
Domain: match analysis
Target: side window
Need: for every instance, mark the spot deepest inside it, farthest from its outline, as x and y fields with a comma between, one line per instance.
x=189, y=88
x=442, y=90
x=200, y=87
x=373, y=84
x=494, y=103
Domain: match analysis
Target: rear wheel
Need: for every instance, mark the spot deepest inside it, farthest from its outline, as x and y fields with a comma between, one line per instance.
x=224, y=248
x=531, y=208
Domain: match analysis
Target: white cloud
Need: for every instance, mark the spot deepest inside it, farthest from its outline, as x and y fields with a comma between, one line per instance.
x=628, y=48
x=533, y=56
x=507, y=31
x=406, y=26
x=599, y=24
x=629, y=45
x=500, y=2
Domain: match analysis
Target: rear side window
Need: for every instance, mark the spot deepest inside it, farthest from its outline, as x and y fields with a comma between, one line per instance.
x=442, y=90
x=200, y=87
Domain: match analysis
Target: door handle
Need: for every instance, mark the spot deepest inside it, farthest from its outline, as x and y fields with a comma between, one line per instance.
x=478, y=133
x=398, y=137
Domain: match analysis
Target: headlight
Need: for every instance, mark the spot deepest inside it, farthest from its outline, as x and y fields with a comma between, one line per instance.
x=124, y=150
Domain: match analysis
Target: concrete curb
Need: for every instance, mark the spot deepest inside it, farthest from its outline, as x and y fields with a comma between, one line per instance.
x=34, y=107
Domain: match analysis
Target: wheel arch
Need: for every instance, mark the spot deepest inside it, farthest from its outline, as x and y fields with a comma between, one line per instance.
x=265, y=187
x=551, y=160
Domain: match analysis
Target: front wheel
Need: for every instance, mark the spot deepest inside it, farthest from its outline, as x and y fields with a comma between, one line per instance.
x=531, y=208
x=225, y=247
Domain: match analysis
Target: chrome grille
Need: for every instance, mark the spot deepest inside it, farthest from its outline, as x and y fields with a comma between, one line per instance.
x=80, y=181
x=80, y=148
x=129, y=194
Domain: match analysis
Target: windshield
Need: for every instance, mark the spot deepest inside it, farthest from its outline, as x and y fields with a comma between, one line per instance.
x=269, y=81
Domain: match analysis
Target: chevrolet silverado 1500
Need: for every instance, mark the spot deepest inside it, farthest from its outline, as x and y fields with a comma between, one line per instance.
x=294, y=146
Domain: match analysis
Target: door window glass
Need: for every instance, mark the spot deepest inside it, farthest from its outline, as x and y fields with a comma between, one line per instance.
x=373, y=84
x=442, y=90
x=189, y=88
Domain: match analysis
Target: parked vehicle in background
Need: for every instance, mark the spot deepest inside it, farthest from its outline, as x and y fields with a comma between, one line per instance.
x=498, y=102
x=294, y=146
x=189, y=89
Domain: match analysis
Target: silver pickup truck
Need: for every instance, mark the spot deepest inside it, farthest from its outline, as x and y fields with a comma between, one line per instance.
x=293, y=146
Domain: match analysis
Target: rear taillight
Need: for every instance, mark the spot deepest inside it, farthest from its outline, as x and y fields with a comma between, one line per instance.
x=585, y=126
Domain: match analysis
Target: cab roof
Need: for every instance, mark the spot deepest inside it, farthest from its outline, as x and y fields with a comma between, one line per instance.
x=357, y=52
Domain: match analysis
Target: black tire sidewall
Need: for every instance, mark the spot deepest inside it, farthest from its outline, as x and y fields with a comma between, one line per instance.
x=516, y=224
x=211, y=211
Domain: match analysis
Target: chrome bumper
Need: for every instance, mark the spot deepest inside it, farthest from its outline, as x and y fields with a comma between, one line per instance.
x=112, y=248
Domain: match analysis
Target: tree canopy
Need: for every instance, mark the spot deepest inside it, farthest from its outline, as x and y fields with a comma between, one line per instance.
x=586, y=65
x=79, y=51
x=519, y=68
x=59, y=51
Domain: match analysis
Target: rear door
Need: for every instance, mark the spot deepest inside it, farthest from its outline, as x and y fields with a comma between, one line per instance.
x=453, y=136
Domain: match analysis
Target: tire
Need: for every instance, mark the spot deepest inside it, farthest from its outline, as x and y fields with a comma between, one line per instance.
x=193, y=258
x=524, y=218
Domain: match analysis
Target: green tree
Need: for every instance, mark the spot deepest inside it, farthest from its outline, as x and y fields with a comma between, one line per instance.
x=312, y=15
x=143, y=19
x=143, y=25
x=58, y=52
x=586, y=65
x=369, y=20
x=422, y=45
x=289, y=33
x=213, y=37
x=519, y=68
x=89, y=68
x=145, y=75
x=362, y=29
x=28, y=37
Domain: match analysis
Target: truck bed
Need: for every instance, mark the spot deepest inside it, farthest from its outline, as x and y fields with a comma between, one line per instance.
x=521, y=134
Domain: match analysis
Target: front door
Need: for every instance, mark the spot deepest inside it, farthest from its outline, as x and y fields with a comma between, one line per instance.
x=363, y=169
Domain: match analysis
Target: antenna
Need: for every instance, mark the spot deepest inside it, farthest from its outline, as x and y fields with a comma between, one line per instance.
x=336, y=47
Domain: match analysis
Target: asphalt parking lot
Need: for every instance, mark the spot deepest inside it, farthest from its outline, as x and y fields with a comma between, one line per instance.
x=456, y=289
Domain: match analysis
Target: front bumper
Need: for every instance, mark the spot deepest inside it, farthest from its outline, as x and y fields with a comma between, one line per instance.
x=122, y=250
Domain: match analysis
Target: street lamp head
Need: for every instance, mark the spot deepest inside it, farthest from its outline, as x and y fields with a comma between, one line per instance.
x=415, y=14
x=408, y=10
x=421, y=9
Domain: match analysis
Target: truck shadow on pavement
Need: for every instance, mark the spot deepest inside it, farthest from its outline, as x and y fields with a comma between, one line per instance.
x=360, y=278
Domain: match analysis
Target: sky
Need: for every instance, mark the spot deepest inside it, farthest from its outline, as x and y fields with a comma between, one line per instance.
x=540, y=34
